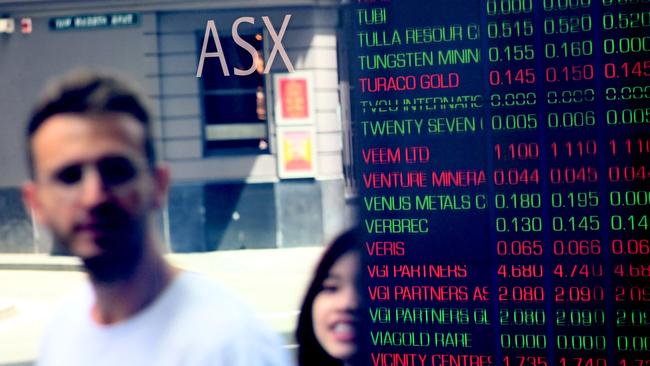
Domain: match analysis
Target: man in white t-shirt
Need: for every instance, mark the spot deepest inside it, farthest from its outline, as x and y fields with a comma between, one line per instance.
x=96, y=186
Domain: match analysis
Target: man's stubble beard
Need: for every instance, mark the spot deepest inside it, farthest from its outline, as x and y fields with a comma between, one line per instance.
x=114, y=266
x=121, y=252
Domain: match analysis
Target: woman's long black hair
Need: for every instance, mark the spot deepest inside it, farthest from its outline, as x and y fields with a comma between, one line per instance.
x=310, y=352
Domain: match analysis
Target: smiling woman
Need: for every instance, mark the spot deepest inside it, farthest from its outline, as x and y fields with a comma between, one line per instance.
x=328, y=327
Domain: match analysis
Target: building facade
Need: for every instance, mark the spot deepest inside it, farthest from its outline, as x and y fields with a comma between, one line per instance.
x=228, y=145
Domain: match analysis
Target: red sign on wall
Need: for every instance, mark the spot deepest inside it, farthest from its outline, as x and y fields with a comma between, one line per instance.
x=294, y=98
x=294, y=102
x=296, y=153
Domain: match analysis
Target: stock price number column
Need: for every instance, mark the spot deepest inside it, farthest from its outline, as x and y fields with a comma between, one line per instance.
x=516, y=178
x=625, y=69
x=578, y=309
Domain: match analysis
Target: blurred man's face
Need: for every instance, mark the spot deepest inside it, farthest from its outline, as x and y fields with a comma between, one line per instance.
x=92, y=187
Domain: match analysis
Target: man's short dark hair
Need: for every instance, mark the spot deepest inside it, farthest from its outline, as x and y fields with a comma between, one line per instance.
x=92, y=92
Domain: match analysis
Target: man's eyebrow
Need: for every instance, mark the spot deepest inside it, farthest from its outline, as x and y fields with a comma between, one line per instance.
x=58, y=169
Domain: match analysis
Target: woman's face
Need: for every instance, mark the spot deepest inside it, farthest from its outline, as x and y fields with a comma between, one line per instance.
x=335, y=308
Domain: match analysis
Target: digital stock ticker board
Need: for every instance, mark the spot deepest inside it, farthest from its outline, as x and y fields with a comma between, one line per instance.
x=503, y=168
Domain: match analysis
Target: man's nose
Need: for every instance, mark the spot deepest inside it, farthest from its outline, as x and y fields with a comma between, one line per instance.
x=93, y=189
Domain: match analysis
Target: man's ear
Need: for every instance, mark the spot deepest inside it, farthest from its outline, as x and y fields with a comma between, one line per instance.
x=32, y=201
x=162, y=179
